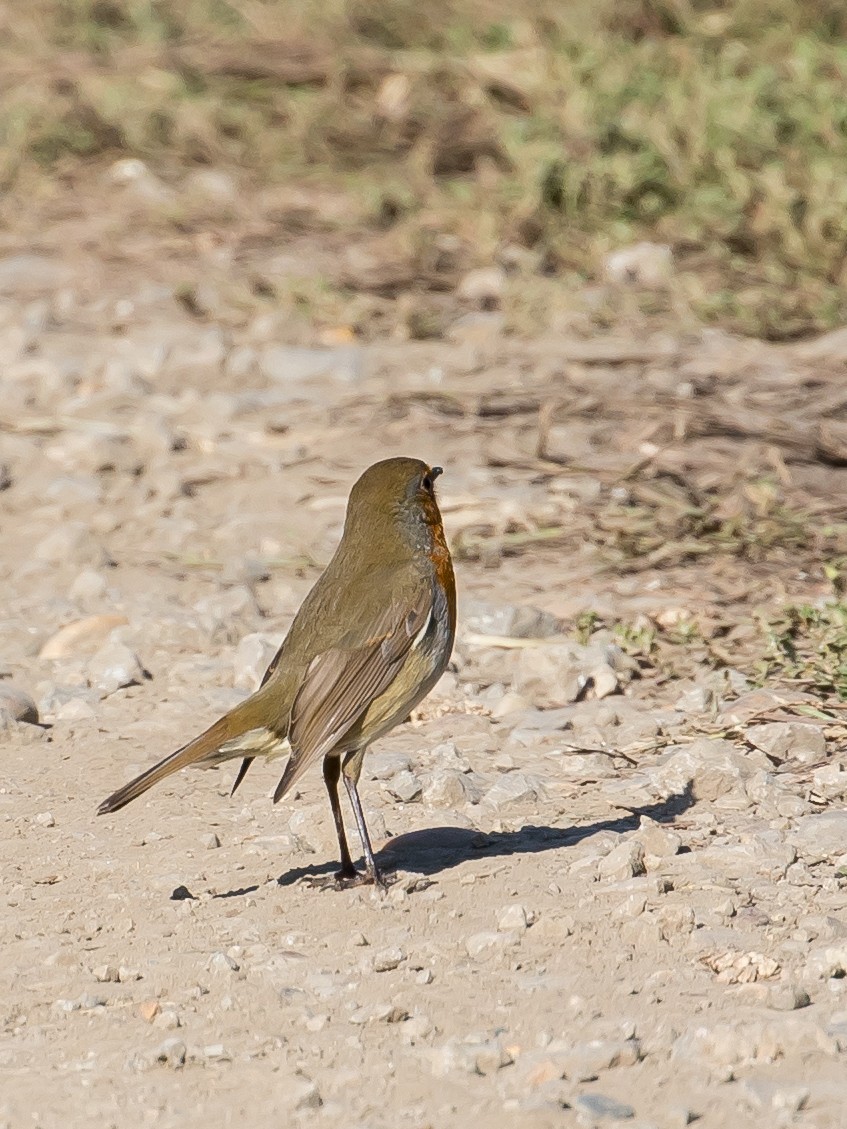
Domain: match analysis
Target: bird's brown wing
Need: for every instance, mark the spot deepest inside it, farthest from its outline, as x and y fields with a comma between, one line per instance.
x=341, y=683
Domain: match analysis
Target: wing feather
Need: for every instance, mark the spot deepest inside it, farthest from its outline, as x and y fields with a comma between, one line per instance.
x=341, y=683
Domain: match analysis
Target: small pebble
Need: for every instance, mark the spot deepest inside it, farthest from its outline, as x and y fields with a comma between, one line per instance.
x=305, y=1095
x=603, y=1107
x=113, y=667
x=385, y=765
x=487, y=943
x=222, y=962
x=167, y=1020
x=105, y=973
x=173, y=1052
x=787, y=997
x=388, y=959
x=148, y=1010
x=513, y=917
x=405, y=787
x=18, y=704
x=626, y=860
x=88, y=585
x=216, y=1051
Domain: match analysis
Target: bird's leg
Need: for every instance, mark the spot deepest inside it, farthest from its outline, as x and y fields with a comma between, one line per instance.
x=351, y=768
x=332, y=770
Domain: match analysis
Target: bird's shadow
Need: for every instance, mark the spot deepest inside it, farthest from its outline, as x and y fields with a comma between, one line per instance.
x=438, y=849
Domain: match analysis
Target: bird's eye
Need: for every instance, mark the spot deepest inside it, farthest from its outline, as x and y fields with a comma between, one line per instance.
x=427, y=483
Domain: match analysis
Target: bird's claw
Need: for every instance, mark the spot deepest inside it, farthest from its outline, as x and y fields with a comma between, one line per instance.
x=345, y=880
x=350, y=879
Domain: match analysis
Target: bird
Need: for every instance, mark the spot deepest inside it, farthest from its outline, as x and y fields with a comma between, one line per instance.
x=369, y=642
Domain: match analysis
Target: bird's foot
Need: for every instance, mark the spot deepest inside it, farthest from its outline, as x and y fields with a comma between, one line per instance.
x=347, y=879
x=381, y=879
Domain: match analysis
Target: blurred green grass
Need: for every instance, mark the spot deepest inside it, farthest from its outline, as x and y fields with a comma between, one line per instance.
x=564, y=128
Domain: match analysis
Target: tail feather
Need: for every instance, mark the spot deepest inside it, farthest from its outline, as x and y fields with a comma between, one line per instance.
x=295, y=768
x=183, y=757
x=242, y=772
x=231, y=736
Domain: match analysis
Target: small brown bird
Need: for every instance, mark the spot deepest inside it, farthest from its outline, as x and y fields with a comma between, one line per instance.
x=370, y=641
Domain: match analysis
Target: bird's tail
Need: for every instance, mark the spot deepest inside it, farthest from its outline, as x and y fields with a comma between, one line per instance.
x=234, y=735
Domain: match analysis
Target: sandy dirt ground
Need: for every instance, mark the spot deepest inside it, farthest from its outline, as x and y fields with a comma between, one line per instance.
x=619, y=894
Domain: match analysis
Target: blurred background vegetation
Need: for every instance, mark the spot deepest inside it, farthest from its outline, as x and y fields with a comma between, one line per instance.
x=539, y=135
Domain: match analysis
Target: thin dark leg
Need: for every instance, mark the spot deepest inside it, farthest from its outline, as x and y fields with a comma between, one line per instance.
x=373, y=873
x=332, y=770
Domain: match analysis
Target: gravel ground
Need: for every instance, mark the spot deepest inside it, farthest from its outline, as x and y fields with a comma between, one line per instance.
x=619, y=895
